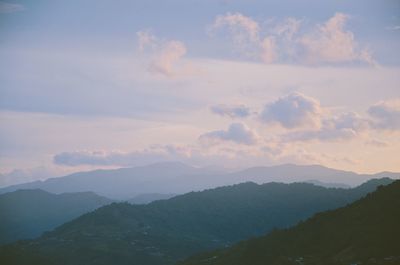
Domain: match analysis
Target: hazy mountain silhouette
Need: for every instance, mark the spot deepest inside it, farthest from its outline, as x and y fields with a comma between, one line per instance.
x=328, y=185
x=178, y=178
x=150, y=197
x=302, y=173
x=124, y=183
x=365, y=232
x=28, y=213
x=166, y=231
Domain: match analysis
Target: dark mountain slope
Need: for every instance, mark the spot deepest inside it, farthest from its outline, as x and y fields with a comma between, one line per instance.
x=365, y=232
x=164, y=232
x=28, y=213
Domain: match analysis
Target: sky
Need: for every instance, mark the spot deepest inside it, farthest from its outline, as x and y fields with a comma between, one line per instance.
x=230, y=83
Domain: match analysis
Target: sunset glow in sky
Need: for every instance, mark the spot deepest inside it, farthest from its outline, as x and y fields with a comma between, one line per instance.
x=231, y=83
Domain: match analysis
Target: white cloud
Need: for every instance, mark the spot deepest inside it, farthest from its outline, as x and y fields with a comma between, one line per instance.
x=165, y=62
x=243, y=29
x=10, y=8
x=288, y=28
x=233, y=111
x=245, y=33
x=327, y=43
x=237, y=132
x=165, y=56
x=327, y=133
x=350, y=120
x=293, y=110
x=228, y=156
x=191, y=154
x=146, y=39
x=345, y=126
x=331, y=43
x=386, y=115
x=110, y=158
x=268, y=50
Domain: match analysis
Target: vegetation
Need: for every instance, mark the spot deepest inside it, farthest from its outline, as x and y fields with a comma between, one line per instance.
x=28, y=213
x=365, y=232
x=164, y=232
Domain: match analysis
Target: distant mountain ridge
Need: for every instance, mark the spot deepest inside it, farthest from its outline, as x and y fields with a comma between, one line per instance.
x=178, y=178
x=123, y=183
x=150, y=197
x=364, y=232
x=164, y=232
x=288, y=173
x=28, y=213
x=328, y=185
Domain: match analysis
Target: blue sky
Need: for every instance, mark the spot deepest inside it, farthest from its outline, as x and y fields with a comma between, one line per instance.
x=88, y=84
x=106, y=25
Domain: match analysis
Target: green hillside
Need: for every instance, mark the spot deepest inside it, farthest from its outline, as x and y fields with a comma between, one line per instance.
x=365, y=232
x=28, y=213
x=165, y=232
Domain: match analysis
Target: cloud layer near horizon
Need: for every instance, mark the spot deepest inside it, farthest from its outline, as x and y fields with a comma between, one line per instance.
x=237, y=132
x=301, y=119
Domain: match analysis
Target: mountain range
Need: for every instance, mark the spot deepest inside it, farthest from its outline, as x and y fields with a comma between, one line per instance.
x=178, y=178
x=167, y=231
x=365, y=232
x=28, y=213
x=150, y=197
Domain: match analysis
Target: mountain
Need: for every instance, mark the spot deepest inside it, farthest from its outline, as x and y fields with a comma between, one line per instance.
x=365, y=232
x=164, y=232
x=328, y=185
x=28, y=213
x=178, y=178
x=150, y=197
x=125, y=183
x=288, y=173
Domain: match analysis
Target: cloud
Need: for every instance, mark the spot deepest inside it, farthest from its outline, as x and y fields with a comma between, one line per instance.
x=10, y=8
x=233, y=156
x=282, y=41
x=205, y=153
x=110, y=158
x=288, y=28
x=235, y=111
x=243, y=29
x=345, y=126
x=293, y=110
x=166, y=60
x=350, y=120
x=245, y=33
x=268, y=50
x=166, y=55
x=146, y=39
x=331, y=43
x=237, y=132
x=196, y=155
x=385, y=115
x=325, y=134
x=17, y=176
